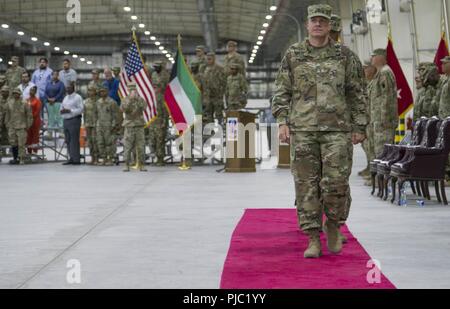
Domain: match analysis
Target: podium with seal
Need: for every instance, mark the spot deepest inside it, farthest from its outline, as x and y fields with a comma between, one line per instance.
x=240, y=142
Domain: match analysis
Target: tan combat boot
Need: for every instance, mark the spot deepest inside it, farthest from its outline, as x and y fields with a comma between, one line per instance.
x=341, y=236
x=334, y=241
x=314, y=248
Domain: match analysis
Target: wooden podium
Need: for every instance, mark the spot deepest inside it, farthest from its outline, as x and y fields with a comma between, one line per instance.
x=284, y=156
x=236, y=135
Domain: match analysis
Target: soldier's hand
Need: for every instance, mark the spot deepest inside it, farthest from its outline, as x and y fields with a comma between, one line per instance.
x=284, y=134
x=358, y=138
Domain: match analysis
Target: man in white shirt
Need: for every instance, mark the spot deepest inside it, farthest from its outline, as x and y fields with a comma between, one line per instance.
x=67, y=75
x=26, y=85
x=71, y=111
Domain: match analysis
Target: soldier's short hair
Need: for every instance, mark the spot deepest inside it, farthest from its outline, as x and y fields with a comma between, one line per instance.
x=211, y=54
x=232, y=43
x=5, y=88
x=15, y=58
x=445, y=59
x=200, y=47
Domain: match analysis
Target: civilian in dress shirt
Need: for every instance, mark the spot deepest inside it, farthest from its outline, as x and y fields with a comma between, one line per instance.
x=41, y=78
x=71, y=110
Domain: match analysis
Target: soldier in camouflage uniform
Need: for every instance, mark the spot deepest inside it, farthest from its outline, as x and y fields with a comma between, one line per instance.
x=14, y=73
x=90, y=122
x=106, y=111
x=96, y=82
x=133, y=107
x=319, y=103
x=198, y=78
x=215, y=83
x=444, y=98
x=4, y=94
x=369, y=74
x=233, y=57
x=18, y=119
x=200, y=58
x=158, y=128
x=236, y=91
x=383, y=104
x=425, y=106
x=2, y=81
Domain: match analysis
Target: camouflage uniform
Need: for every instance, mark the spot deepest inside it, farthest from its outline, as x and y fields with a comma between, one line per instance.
x=367, y=143
x=158, y=128
x=3, y=128
x=106, y=111
x=18, y=119
x=443, y=100
x=383, y=109
x=425, y=105
x=200, y=61
x=134, y=139
x=235, y=58
x=14, y=75
x=215, y=83
x=90, y=123
x=236, y=92
x=320, y=95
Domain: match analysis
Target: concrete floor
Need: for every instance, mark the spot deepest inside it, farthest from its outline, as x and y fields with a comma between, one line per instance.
x=171, y=229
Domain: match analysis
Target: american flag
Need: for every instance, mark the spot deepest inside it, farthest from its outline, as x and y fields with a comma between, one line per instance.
x=135, y=71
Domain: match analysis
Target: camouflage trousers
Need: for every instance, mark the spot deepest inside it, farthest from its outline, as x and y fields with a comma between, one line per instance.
x=157, y=137
x=3, y=135
x=380, y=136
x=18, y=138
x=91, y=138
x=134, y=143
x=321, y=164
x=366, y=145
x=105, y=142
x=214, y=107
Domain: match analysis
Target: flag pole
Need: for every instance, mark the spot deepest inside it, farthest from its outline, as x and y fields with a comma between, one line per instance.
x=183, y=166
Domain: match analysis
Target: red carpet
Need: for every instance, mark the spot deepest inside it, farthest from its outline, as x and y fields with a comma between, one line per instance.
x=266, y=252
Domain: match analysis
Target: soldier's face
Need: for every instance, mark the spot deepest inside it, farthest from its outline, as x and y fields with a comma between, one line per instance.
x=103, y=93
x=92, y=93
x=318, y=26
x=231, y=48
x=14, y=63
x=95, y=76
x=210, y=60
x=233, y=71
x=446, y=68
x=199, y=53
x=5, y=94
x=16, y=95
x=378, y=61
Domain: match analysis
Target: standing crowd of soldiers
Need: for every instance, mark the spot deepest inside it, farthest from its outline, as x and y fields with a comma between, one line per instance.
x=105, y=115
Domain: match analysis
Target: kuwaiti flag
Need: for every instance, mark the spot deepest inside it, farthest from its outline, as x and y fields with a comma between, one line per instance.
x=182, y=96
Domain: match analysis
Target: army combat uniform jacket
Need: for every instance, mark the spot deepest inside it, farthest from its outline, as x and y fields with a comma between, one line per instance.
x=320, y=89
